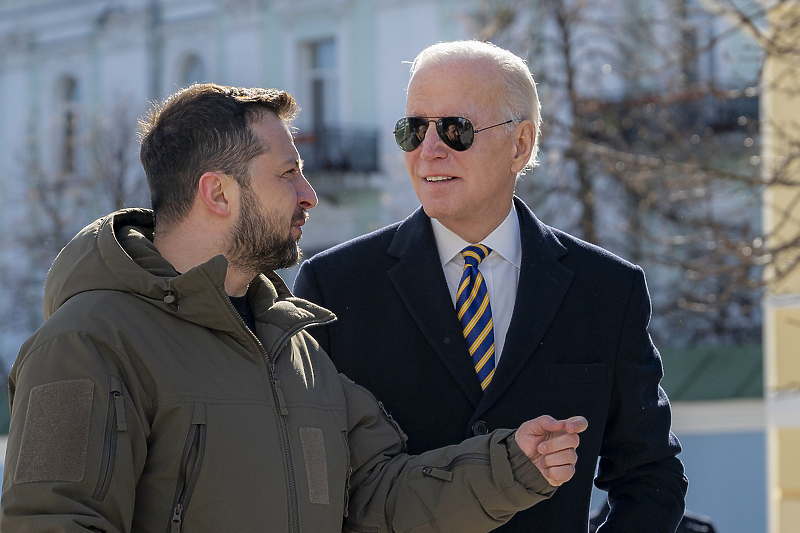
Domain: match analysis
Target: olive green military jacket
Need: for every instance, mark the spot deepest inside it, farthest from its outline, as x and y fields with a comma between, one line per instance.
x=144, y=404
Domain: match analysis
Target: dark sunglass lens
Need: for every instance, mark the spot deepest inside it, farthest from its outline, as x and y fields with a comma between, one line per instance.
x=409, y=133
x=456, y=132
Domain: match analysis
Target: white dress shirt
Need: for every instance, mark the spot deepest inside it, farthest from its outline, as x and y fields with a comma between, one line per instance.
x=500, y=270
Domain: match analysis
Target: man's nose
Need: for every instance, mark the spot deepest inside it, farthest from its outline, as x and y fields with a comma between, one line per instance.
x=306, y=196
x=432, y=146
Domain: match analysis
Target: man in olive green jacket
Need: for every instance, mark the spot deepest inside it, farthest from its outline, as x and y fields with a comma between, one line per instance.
x=173, y=387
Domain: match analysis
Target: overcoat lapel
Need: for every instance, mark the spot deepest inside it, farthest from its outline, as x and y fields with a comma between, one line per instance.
x=420, y=282
x=543, y=283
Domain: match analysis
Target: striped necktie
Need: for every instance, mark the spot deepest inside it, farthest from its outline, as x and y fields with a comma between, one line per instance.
x=475, y=313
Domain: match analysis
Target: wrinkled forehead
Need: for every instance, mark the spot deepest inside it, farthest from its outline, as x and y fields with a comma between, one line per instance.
x=460, y=87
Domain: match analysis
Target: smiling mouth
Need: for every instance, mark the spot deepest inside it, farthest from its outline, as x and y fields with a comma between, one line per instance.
x=438, y=178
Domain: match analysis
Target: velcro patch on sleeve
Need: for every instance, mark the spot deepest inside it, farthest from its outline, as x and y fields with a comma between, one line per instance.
x=55, y=437
x=316, y=464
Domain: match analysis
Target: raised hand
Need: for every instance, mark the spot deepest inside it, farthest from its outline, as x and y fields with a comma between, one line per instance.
x=551, y=445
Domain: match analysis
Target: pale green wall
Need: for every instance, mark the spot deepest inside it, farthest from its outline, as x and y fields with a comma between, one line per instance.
x=273, y=50
x=361, y=53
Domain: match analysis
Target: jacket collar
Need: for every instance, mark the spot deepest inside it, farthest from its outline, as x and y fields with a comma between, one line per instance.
x=116, y=253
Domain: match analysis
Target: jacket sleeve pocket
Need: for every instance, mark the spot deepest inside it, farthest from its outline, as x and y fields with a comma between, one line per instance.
x=55, y=437
x=347, y=477
x=116, y=422
x=578, y=373
x=445, y=473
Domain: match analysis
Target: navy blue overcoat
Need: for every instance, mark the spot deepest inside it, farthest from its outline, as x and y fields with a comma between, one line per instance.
x=577, y=345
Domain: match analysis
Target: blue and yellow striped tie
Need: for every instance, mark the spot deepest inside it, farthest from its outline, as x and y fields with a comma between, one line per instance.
x=475, y=313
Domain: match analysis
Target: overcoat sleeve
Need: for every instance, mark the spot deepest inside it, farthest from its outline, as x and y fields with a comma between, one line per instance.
x=645, y=481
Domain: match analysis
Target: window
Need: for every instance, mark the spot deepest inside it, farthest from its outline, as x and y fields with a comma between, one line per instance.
x=324, y=141
x=69, y=98
x=322, y=85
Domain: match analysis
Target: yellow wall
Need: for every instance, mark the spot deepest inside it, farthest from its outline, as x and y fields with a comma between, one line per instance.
x=780, y=117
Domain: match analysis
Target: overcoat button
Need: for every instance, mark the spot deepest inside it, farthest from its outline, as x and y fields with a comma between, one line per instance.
x=480, y=428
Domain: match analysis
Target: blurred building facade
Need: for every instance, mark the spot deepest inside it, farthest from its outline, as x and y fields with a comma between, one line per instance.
x=66, y=64
x=75, y=73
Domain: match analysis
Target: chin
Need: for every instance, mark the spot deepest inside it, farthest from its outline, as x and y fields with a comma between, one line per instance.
x=437, y=209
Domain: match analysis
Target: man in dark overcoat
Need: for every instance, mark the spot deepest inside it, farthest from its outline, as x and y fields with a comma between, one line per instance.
x=558, y=326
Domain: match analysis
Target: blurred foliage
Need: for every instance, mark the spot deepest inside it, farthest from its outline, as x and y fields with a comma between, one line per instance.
x=95, y=171
x=651, y=146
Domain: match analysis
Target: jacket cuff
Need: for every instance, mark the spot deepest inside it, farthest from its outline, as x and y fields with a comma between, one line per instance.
x=525, y=472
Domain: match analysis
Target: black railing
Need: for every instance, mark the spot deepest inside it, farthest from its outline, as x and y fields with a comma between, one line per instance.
x=691, y=111
x=339, y=149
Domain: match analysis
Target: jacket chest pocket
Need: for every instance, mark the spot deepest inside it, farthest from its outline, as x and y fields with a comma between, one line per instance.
x=116, y=422
x=578, y=373
x=189, y=469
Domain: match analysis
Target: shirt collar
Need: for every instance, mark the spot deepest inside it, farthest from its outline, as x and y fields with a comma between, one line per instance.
x=504, y=240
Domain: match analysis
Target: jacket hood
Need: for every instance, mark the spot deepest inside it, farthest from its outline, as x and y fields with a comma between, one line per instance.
x=117, y=253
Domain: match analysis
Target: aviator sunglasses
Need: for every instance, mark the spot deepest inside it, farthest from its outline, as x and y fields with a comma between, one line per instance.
x=455, y=132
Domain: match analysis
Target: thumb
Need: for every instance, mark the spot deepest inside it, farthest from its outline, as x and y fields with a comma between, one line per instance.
x=541, y=426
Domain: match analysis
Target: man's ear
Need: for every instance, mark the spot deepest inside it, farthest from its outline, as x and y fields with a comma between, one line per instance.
x=215, y=191
x=524, y=137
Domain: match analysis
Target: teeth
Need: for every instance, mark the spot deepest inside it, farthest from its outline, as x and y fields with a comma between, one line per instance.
x=438, y=178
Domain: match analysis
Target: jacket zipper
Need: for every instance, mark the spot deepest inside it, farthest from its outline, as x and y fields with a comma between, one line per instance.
x=347, y=479
x=189, y=470
x=277, y=395
x=446, y=473
x=115, y=422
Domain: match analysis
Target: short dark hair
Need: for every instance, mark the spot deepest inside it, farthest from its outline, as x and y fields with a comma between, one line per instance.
x=203, y=128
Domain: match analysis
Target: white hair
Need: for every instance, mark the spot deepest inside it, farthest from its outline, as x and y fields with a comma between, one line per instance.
x=519, y=101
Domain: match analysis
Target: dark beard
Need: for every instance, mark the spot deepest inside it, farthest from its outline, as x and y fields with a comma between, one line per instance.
x=259, y=243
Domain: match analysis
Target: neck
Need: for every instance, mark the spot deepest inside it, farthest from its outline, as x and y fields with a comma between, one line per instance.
x=236, y=283
x=181, y=248
x=470, y=235
x=192, y=243
x=186, y=251
x=474, y=231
